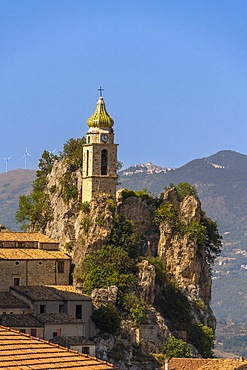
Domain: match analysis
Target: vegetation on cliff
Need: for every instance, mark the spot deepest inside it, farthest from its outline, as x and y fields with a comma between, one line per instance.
x=35, y=209
x=116, y=259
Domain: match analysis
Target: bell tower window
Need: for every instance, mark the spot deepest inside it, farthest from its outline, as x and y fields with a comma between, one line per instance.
x=104, y=162
x=87, y=163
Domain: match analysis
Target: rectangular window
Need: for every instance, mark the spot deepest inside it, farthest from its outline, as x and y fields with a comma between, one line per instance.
x=85, y=350
x=42, y=308
x=16, y=281
x=60, y=267
x=78, y=312
x=33, y=332
x=23, y=330
x=61, y=308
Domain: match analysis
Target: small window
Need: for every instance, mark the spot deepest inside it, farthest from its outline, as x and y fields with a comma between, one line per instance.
x=61, y=308
x=78, y=312
x=40, y=263
x=54, y=334
x=23, y=330
x=85, y=350
x=42, y=308
x=60, y=267
x=16, y=281
x=33, y=332
x=104, y=162
x=17, y=263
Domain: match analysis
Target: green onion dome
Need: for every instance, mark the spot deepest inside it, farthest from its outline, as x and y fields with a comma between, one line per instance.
x=100, y=118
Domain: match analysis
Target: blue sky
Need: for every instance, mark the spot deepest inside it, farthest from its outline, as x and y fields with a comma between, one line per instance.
x=174, y=75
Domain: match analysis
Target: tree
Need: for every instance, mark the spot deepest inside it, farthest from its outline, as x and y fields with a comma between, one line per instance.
x=110, y=265
x=72, y=152
x=124, y=236
x=106, y=318
x=176, y=348
x=36, y=207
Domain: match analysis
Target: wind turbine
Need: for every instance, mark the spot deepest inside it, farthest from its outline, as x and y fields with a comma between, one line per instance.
x=52, y=152
x=26, y=154
x=6, y=160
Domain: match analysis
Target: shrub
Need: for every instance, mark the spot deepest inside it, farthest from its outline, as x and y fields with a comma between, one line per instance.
x=176, y=348
x=108, y=266
x=166, y=213
x=124, y=236
x=85, y=207
x=160, y=269
x=107, y=319
x=101, y=220
x=85, y=224
x=202, y=337
x=134, y=307
x=111, y=204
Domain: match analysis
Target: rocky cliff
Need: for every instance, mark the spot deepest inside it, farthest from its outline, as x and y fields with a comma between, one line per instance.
x=171, y=229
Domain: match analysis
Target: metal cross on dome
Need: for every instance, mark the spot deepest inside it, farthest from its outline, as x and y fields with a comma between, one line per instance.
x=100, y=91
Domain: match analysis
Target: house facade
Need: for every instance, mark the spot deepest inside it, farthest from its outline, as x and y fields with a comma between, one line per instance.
x=19, y=266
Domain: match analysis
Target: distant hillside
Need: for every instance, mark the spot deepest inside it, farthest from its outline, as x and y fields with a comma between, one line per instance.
x=221, y=180
x=13, y=184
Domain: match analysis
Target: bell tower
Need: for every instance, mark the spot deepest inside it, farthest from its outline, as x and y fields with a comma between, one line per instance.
x=99, y=156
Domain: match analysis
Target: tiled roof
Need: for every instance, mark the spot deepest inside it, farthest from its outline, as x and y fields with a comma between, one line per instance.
x=19, y=321
x=52, y=293
x=57, y=318
x=25, y=237
x=30, y=254
x=186, y=363
x=206, y=364
x=70, y=341
x=21, y=352
x=7, y=300
x=226, y=364
x=36, y=320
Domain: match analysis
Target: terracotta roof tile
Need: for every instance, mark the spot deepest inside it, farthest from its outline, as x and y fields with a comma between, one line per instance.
x=52, y=293
x=26, y=237
x=57, y=318
x=28, y=254
x=7, y=300
x=70, y=341
x=38, y=354
x=21, y=320
x=206, y=364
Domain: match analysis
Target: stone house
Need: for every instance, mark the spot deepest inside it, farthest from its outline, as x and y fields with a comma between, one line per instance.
x=25, y=323
x=18, y=350
x=77, y=343
x=58, y=300
x=19, y=266
x=9, y=304
x=27, y=240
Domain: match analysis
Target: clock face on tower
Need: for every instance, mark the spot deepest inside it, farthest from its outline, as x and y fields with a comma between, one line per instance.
x=104, y=138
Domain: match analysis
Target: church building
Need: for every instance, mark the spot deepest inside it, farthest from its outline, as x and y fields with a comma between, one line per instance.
x=99, y=156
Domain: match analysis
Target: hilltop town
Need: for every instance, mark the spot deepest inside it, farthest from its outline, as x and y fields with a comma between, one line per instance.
x=119, y=275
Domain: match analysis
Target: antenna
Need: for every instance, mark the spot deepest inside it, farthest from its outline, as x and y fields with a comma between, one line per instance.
x=26, y=154
x=6, y=163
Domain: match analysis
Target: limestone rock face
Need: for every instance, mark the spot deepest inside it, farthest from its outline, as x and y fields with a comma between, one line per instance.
x=146, y=281
x=185, y=259
x=81, y=228
x=101, y=296
x=142, y=214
